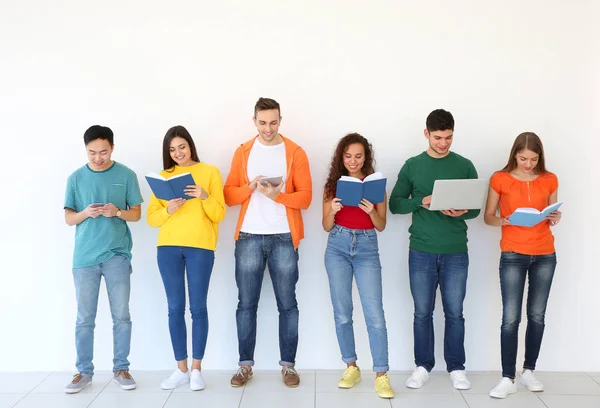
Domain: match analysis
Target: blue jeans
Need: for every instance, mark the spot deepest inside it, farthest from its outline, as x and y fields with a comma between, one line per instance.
x=116, y=272
x=450, y=272
x=253, y=252
x=513, y=272
x=173, y=263
x=356, y=253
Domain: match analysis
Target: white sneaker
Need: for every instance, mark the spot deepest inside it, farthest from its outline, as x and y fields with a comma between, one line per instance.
x=419, y=377
x=460, y=380
x=505, y=387
x=532, y=383
x=196, y=380
x=175, y=380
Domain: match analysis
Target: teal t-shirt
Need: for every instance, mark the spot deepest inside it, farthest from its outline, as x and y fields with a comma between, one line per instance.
x=432, y=231
x=99, y=239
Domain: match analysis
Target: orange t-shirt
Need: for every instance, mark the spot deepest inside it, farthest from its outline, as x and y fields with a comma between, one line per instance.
x=536, y=240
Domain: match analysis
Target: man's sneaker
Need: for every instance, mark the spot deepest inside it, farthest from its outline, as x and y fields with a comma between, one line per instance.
x=532, y=383
x=291, y=378
x=241, y=376
x=505, y=387
x=196, y=380
x=78, y=383
x=175, y=380
x=350, y=378
x=383, y=387
x=125, y=380
x=419, y=377
x=460, y=380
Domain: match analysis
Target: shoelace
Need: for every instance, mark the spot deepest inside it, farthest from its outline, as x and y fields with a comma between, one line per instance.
x=289, y=370
x=124, y=373
x=76, y=378
x=242, y=371
x=348, y=373
x=385, y=380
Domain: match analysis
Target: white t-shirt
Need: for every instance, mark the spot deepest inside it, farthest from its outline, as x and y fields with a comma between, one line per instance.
x=263, y=215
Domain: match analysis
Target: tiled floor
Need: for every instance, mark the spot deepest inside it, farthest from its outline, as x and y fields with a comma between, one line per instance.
x=318, y=390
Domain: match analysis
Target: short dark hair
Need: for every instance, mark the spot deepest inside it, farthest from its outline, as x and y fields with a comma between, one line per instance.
x=172, y=133
x=439, y=119
x=266, y=104
x=98, y=132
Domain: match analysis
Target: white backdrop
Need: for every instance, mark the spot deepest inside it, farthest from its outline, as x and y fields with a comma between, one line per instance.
x=375, y=67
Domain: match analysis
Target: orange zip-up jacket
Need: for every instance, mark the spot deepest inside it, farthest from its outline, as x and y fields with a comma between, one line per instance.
x=298, y=186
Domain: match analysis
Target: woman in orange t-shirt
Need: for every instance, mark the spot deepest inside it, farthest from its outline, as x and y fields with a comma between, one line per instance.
x=523, y=182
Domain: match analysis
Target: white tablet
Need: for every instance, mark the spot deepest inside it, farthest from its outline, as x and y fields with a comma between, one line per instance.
x=461, y=194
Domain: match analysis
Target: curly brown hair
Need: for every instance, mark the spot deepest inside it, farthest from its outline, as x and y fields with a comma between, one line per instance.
x=337, y=168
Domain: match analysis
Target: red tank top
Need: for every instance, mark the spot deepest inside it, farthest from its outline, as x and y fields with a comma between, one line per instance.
x=354, y=218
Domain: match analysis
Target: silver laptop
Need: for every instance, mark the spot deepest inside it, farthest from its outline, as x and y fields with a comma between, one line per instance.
x=462, y=194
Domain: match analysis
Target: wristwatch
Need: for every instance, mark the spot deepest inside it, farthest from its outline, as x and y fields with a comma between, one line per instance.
x=118, y=214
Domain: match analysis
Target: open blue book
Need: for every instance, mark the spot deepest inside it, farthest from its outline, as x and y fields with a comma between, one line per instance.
x=529, y=217
x=352, y=190
x=168, y=189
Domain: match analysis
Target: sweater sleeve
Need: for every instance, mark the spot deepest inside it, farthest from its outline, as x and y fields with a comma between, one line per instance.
x=401, y=200
x=214, y=205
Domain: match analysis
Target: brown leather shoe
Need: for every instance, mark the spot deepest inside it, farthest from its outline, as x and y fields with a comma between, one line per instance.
x=291, y=378
x=241, y=377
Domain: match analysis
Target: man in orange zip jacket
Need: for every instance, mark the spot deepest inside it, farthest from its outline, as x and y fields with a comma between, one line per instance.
x=268, y=232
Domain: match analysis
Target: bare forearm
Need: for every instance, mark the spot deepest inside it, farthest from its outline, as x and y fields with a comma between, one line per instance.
x=131, y=215
x=328, y=222
x=378, y=221
x=75, y=218
x=493, y=220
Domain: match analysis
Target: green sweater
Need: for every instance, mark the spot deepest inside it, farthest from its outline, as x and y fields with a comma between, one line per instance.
x=432, y=231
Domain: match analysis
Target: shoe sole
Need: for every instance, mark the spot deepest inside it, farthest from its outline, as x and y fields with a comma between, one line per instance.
x=347, y=388
x=498, y=396
x=532, y=389
x=241, y=385
x=125, y=387
x=75, y=391
x=416, y=387
x=197, y=389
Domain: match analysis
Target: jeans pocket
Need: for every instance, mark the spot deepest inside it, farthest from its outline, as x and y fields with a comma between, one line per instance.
x=287, y=237
x=243, y=235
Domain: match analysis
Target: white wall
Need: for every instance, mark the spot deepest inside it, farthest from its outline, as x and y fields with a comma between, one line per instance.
x=375, y=67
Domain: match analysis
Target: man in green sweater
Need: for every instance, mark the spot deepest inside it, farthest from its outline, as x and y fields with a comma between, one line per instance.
x=438, y=249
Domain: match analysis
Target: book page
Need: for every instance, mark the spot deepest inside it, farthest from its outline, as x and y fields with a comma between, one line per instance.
x=155, y=176
x=179, y=175
x=374, y=176
x=352, y=179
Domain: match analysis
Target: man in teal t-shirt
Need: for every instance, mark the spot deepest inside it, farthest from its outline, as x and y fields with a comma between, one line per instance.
x=101, y=198
x=438, y=249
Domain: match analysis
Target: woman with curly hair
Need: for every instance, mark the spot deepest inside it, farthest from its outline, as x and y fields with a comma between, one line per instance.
x=352, y=251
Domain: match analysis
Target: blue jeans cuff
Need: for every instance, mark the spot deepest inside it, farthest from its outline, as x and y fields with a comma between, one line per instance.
x=286, y=363
x=246, y=363
x=381, y=369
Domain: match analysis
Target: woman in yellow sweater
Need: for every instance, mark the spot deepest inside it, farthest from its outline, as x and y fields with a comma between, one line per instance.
x=186, y=243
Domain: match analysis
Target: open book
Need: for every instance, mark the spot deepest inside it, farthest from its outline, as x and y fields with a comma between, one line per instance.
x=168, y=189
x=351, y=190
x=528, y=217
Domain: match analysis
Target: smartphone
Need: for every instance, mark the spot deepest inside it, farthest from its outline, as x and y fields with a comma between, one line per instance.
x=96, y=205
x=275, y=181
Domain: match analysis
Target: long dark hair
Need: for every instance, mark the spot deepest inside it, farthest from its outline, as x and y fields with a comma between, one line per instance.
x=337, y=168
x=177, y=131
x=529, y=141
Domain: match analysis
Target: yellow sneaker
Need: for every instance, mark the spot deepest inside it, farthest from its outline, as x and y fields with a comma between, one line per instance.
x=350, y=378
x=383, y=387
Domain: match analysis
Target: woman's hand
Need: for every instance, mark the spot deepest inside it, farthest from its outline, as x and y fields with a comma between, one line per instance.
x=174, y=204
x=196, y=191
x=366, y=206
x=554, y=217
x=336, y=206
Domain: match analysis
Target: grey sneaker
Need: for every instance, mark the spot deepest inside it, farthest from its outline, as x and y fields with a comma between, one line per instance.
x=78, y=383
x=125, y=380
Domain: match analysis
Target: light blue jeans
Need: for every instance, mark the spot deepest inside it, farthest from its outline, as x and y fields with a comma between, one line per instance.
x=116, y=272
x=355, y=253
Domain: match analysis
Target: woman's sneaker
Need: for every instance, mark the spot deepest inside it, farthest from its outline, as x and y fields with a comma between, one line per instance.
x=504, y=388
x=532, y=383
x=350, y=378
x=196, y=380
x=175, y=380
x=78, y=383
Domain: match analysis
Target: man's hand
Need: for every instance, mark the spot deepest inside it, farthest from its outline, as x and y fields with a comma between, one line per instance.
x=269, y=190
x=426, y=200
x=92, y=211
x=454, y=213
x=109, y=210
x=254, y=182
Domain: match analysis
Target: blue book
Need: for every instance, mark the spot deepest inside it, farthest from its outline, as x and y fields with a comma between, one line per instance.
x=352, y=190
x=168, y=189
x=529, y=217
